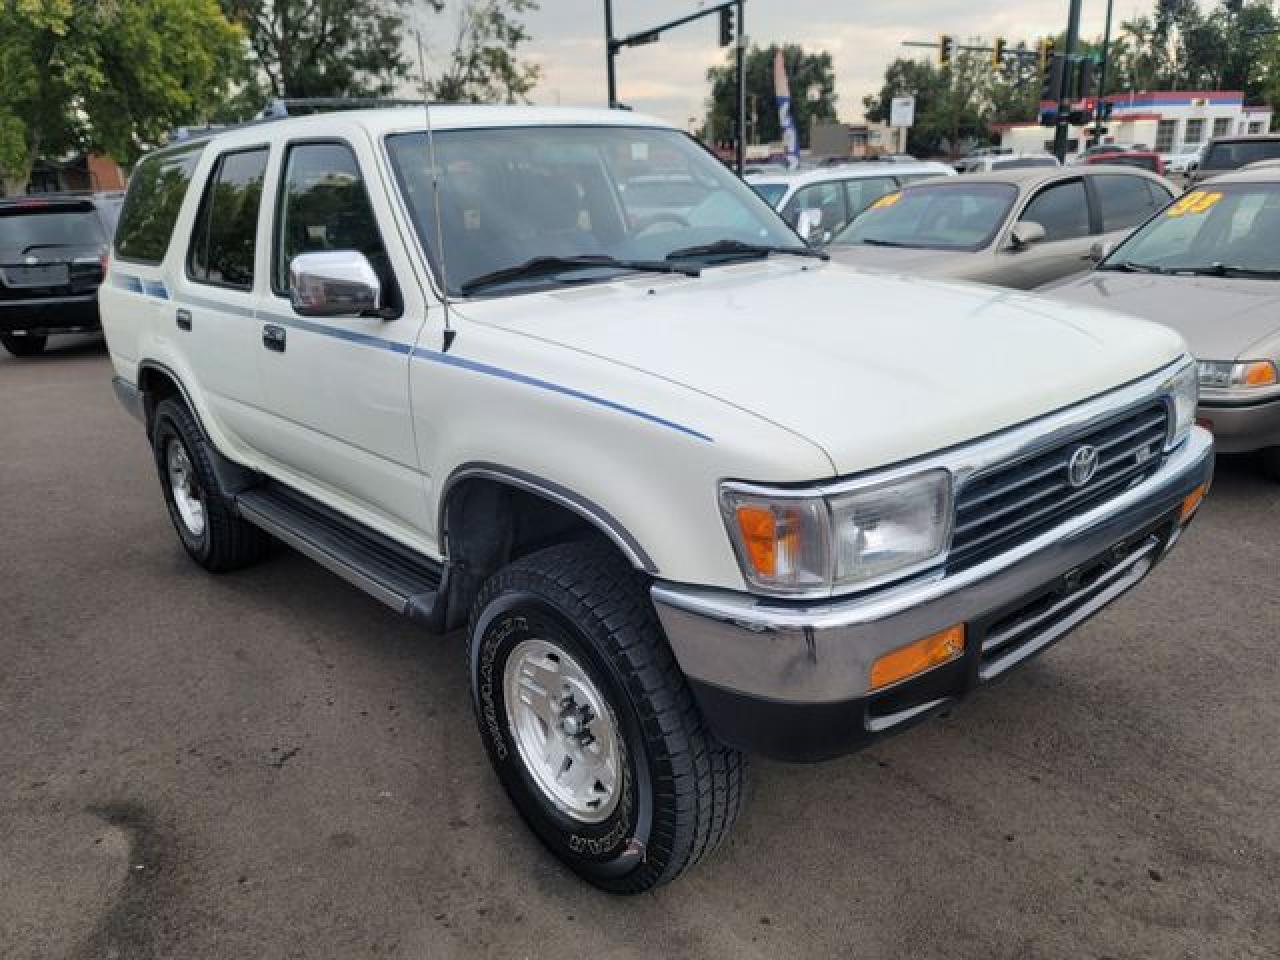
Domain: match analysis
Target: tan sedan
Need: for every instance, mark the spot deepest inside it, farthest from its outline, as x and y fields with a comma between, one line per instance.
x=1209, y=267
x=1016, y=228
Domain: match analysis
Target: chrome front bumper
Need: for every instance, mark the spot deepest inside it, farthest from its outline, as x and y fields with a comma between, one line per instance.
x=821, y=653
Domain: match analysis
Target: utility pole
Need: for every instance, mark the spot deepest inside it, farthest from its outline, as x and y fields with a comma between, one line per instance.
x=609, y=53
x=741, y=41
x=1102, y=77
x=1062, y=123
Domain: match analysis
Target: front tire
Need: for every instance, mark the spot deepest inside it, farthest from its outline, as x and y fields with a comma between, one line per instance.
x=589, y=722
x=23, y=345
x=208, y=526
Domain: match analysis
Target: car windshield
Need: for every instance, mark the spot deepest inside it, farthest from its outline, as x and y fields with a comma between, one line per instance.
x=1225, y=229
x=1233, y=154
x=513, y=196
x=771, y=193
x=941, y=217
x=38, y=226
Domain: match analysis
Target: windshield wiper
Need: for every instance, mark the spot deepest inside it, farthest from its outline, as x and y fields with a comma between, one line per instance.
x=548, y=266
x=872, y=241
x=1130, y=266
x=1227, y=270
x=738, y=248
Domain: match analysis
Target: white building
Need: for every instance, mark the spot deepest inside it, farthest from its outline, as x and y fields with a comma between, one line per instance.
x=1170, y=121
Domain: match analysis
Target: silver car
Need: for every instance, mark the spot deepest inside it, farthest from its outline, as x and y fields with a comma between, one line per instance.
x=1018, y=228
x=1209, y=267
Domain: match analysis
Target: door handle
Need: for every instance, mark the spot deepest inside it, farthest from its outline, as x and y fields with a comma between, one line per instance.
x=183, y=319
x=273, y=337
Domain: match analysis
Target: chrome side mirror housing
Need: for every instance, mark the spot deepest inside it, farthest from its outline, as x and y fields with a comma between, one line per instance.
x=1025, y=233
x=334, y=283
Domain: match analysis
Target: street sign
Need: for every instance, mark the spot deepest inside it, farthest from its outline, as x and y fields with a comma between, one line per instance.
x=902, y=112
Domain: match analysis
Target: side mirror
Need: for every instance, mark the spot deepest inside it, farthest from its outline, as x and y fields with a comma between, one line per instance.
x=809, y=225
x=334, y=283
x=1100, y=249
x=1025, y=233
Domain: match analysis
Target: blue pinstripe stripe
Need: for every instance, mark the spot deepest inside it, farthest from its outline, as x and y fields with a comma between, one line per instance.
x=451, y=360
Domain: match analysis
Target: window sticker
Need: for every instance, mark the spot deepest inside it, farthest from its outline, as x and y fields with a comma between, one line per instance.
x=1197, y=201
x=888, y=200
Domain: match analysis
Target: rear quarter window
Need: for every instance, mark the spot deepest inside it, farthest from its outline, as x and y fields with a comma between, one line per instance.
x=151, y=206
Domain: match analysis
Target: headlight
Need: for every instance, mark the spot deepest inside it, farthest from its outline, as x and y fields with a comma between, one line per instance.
x=1225, y=374
x=805, y=544
x=1185, y=392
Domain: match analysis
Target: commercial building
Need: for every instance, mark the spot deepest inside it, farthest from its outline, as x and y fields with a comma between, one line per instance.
x=1171, y=121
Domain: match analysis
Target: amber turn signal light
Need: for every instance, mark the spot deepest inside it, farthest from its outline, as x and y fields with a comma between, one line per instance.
x=1191, y=503
x=919, y=656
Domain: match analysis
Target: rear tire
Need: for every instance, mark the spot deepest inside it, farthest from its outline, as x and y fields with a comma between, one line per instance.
x=23, y=345
x=206, y=520
x=574, y=622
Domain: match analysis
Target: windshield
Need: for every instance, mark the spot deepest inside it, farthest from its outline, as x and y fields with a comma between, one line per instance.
x=771, y=193
x=38, y=227
x=510, y=196
x=1216, y=229
x=1233, y=154
x=934, y=217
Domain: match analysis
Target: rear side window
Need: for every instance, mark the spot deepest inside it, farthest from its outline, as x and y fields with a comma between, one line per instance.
x=324, y=206
x=1233, y=154
x=225, y=235
x=1062, y=210
x=1126, y=201
x=151, y=207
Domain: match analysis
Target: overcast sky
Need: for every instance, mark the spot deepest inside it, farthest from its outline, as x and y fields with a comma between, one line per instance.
x=669, y=78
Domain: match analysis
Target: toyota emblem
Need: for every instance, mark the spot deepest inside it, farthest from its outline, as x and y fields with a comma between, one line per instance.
x=1082, y=465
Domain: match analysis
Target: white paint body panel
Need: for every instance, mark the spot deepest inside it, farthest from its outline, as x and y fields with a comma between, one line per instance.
x=638, y=395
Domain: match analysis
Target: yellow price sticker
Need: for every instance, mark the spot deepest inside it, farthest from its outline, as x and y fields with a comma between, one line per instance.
x=888, y=200
x=1197, y=201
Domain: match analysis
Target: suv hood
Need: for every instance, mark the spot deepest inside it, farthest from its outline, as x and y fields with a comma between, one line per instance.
x=1220, y=317
x=873, y=368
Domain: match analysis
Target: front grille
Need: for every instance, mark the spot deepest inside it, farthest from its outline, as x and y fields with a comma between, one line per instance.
x=1015, y=501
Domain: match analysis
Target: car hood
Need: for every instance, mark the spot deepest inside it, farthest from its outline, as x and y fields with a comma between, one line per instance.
x=873, y=368
x=1219, y=317
x=923, y=263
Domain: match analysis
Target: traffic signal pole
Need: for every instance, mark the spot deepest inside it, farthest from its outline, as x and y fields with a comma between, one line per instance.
x=1102, y=77
x=1061, y=123
x=740, y=43
x=725, y=11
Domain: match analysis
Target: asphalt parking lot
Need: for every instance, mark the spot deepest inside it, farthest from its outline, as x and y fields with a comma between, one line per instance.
x=271, y=764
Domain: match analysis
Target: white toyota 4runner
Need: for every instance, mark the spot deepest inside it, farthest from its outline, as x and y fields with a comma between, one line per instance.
x=559, y=377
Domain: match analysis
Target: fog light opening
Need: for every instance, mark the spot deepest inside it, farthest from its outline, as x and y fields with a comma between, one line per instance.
x=917, y=657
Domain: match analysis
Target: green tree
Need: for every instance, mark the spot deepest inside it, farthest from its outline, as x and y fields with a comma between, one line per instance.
x=324, y=48
x=804, y=71
x=953, y=103
x=482, y=67
x=107, y=75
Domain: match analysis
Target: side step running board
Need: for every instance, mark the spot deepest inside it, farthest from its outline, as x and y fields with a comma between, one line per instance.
x=405, y=581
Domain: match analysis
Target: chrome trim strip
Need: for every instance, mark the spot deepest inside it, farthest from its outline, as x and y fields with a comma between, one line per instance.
x=594, y=514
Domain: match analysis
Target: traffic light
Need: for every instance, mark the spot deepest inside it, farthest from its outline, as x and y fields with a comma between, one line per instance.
x=726, y=26
x=1051, y=79
x=1107, y=109
x=1047, y=45
x=1084, y=79
x=946, y=49
x=997, y=53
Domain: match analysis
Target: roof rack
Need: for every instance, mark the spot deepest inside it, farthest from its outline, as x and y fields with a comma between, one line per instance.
x=279, y=108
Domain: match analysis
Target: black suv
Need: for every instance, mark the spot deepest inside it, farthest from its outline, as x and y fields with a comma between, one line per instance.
x=52, y=254
x=1225, y=154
